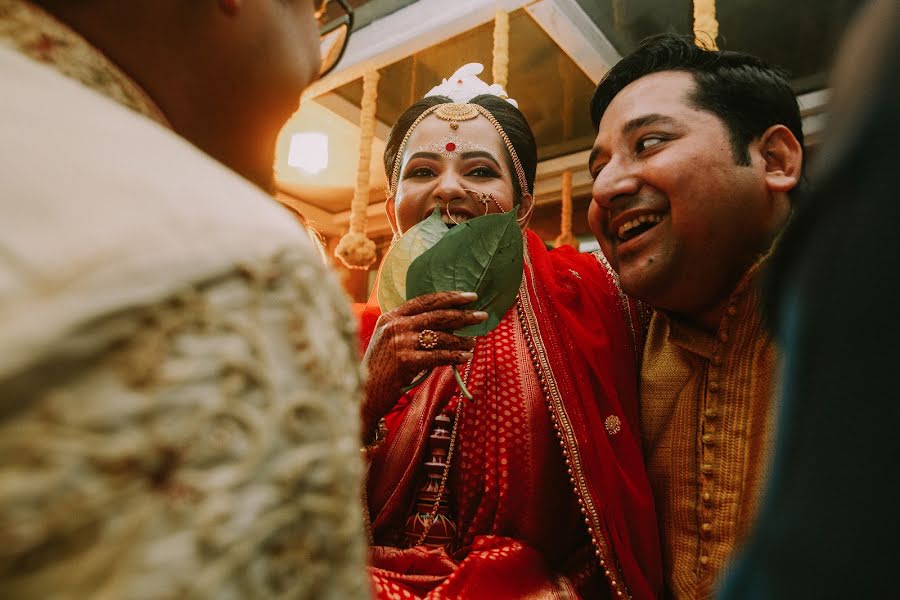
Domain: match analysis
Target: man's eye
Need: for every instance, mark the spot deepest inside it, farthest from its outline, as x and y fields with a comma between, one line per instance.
x=648, y=142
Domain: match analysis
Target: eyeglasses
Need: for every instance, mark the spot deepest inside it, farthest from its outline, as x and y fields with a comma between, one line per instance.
x=333, y=34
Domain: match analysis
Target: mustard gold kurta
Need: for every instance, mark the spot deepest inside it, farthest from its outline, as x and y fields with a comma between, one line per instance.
x=706, y=403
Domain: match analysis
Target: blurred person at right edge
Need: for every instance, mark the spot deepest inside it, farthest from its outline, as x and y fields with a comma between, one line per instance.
x=696, y=154
x=829, y=524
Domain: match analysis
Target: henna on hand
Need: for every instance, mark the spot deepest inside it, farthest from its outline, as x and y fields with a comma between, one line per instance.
x=394, y=357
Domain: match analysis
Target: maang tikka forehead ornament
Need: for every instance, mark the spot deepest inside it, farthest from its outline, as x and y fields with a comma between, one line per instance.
x=455, y=112
x=462, y=87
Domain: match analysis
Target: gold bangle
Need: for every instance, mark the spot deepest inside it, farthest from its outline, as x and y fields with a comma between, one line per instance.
x=381, y=432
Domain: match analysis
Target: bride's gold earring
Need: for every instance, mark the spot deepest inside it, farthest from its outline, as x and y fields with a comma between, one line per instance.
x=525, y=217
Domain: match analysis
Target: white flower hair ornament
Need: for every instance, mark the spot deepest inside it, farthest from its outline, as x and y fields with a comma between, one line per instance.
x=465, y=84
x=460, y=88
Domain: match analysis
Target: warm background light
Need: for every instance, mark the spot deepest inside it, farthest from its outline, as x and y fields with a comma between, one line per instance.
x=322, y=192
x=309, y=152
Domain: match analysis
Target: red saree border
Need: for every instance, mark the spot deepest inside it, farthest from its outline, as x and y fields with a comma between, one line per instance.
x=566, y=434
x=624, y=302
x=413, y=430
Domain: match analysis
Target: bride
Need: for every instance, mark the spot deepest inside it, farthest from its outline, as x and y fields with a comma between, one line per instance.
x=537, y=487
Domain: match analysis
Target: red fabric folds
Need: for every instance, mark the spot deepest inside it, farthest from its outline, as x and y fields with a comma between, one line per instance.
x=567, y=353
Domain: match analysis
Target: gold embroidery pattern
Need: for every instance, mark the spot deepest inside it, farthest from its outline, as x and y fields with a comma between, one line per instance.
x=39, y=36
x=564, y=431
x=520, y=170
x=222, y=427
x=613, y=425
x=623, y=298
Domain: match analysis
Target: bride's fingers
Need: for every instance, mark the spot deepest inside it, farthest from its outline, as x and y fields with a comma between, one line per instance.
x=447, y=319
x=428, y=359
x=432, y=302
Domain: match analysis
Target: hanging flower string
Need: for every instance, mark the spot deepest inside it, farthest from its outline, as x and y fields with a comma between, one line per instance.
x=500, y=68
x=706, y=27
x=565, y=221
x=355, y=249
x=565, y=234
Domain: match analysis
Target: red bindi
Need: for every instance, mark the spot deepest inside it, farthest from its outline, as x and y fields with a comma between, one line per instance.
x=450, y=147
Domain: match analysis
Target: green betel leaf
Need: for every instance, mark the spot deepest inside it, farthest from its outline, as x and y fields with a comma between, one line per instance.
x=418, y=239
x=481, y=255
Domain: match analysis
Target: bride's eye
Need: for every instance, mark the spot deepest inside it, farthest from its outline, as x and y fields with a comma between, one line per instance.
x=419, y=172
x=482, y=171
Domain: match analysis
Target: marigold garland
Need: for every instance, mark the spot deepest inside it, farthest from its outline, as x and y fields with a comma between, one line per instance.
x=500, y=68
x=565, y=237
x=355, y=249
x=706, y=27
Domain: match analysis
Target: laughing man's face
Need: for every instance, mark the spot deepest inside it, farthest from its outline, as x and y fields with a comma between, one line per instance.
x=679, y=219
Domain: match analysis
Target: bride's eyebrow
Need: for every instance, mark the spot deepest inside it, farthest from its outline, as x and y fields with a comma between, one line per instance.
x=480, y=154
x=427, y=155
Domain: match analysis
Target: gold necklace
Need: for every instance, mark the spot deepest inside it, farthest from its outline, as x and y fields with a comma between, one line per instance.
x=432, y=517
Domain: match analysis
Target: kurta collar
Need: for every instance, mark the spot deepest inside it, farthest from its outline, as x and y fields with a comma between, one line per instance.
x=40, y=36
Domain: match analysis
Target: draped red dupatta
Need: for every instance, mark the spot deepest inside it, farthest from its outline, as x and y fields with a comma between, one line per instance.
x=549, y=488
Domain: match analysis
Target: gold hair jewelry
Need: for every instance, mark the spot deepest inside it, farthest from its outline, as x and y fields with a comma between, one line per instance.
x=455, y=112
x=449, y=147
x=470, y=109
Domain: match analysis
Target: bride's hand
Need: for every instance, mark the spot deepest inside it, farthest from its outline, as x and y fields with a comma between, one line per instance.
x=396, y=354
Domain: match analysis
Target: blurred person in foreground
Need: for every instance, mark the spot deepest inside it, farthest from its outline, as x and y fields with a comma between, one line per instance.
x=696, y=154
x=178, y=381
x=829, y=525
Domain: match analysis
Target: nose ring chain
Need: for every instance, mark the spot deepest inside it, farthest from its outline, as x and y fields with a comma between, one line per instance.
x=484, y=198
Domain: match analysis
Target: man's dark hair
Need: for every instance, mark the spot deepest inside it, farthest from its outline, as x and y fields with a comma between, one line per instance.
x=744, y=91
x=510, y=118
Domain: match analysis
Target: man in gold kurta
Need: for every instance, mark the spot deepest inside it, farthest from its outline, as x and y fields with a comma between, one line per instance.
x=695, y=156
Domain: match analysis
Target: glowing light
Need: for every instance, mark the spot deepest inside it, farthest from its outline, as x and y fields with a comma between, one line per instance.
x=309, y=152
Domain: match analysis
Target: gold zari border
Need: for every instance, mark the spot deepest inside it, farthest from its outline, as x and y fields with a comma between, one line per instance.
x=563, y=427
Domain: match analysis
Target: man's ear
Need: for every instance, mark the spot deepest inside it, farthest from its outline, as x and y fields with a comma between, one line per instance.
x=391, y=215
x=526, y=207
x=783, y=158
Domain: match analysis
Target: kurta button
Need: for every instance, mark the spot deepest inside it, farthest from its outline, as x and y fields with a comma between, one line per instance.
x=723, y=337
x=704, y=560
x=706, y=468
x=706, y=528
x=732, y=310
x=708, y=439
x=707, y=498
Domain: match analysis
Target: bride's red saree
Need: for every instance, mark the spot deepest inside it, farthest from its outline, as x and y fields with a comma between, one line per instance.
x=548, y=488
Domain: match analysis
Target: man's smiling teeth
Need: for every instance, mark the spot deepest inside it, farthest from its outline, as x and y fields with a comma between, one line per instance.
x=636, y=222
